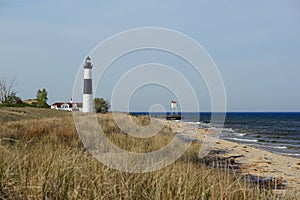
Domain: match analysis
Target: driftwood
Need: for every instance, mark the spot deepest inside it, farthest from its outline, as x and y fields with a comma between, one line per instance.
x=223, y=159
x=264, y=182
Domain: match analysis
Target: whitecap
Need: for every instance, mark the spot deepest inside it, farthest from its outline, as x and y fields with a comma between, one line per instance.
x=278, y=147
x=244, y=140
x=240, y=134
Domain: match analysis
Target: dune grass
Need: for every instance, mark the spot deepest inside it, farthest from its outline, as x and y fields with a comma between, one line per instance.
x=44, y=159
x=24, y=113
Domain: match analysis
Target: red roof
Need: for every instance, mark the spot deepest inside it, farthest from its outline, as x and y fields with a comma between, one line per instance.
x=58, y=104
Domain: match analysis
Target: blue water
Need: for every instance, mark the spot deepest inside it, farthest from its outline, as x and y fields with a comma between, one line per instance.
x=275, y=132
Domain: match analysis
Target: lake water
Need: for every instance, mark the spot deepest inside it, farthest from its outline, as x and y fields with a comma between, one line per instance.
x=276, y=132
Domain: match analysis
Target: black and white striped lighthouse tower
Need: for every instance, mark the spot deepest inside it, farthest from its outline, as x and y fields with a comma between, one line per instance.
x=87, y=106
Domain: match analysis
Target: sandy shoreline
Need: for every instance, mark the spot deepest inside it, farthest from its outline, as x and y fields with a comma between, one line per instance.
x=253, y=161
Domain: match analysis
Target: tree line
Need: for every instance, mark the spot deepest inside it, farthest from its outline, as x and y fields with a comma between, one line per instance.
x=8, y=97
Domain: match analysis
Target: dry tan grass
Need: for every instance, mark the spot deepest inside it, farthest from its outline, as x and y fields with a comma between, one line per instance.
x=44, y=159
x=16, y=114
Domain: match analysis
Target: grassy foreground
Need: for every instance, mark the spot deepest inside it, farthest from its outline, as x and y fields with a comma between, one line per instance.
x=43, y=158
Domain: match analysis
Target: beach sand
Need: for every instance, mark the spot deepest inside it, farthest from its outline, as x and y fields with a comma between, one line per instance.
x=252, y=162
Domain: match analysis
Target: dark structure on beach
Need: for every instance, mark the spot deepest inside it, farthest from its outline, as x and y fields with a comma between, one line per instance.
x=174, y=117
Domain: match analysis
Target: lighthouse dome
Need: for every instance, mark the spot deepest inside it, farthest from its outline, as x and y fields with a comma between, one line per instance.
x=88, y=63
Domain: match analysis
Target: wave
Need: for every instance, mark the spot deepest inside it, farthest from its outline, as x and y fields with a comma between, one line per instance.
x=240, y=134
x=228, y=130
x=277, y=147
x=241, y=139
x=195, y=123
x=291, y=154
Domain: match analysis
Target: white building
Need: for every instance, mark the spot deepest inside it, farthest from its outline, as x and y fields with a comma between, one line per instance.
x=67, y=106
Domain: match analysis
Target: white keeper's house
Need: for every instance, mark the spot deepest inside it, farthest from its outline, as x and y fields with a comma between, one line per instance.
x=67, y=106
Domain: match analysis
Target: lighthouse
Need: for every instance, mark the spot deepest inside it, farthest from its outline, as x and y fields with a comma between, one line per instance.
x=174, y=107
x=174, y=115
x=87, y=106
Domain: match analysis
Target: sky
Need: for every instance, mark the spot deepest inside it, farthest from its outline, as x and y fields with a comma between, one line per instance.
x=255, y=45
